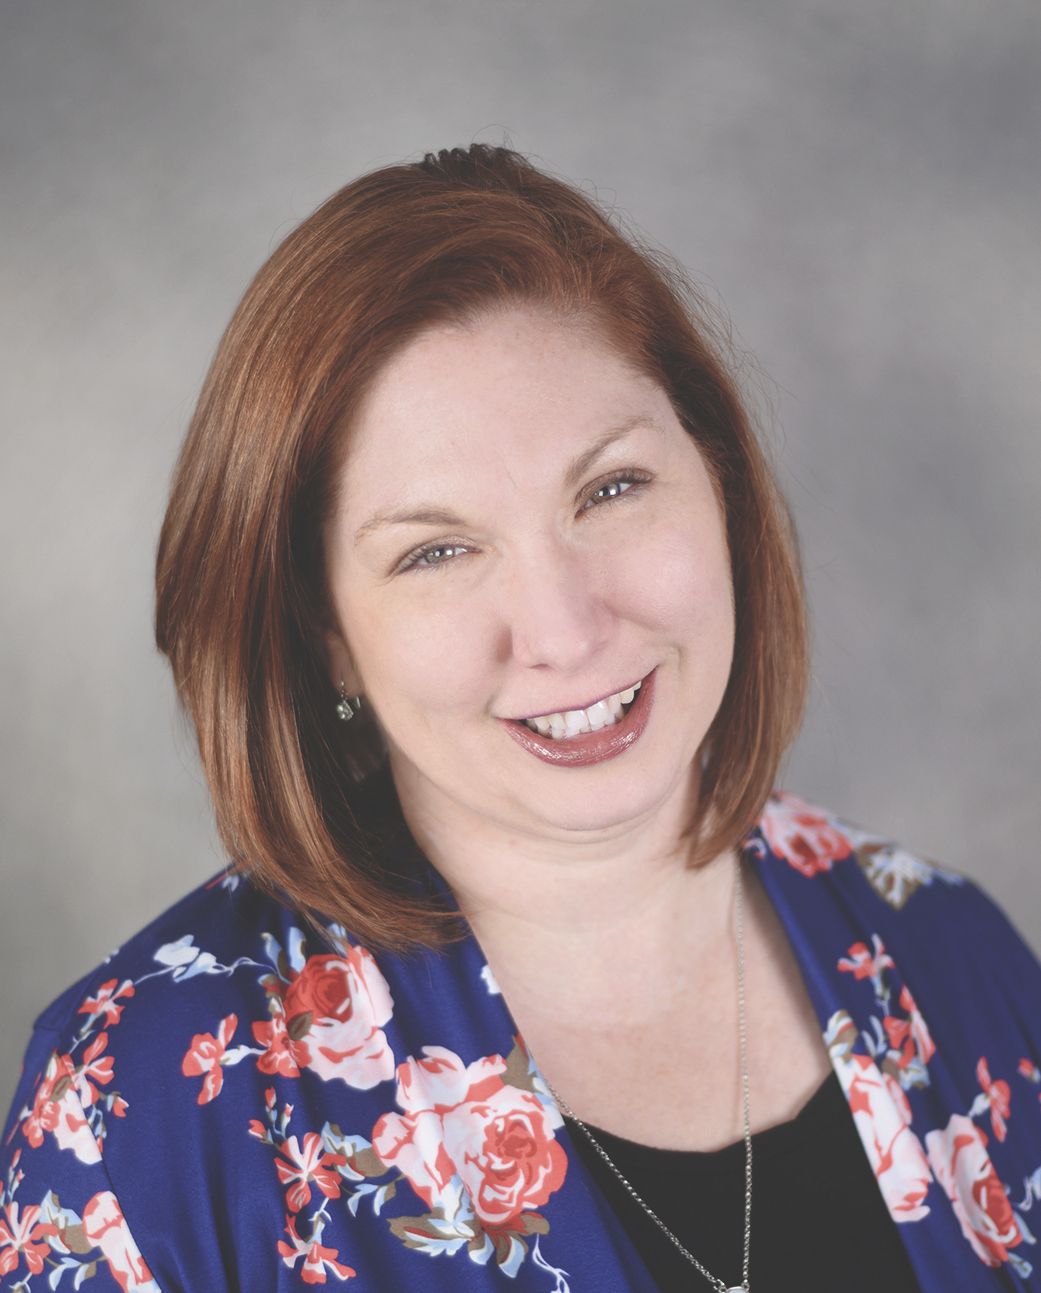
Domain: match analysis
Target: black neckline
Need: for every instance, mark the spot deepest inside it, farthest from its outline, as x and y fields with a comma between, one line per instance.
x=825, y=1105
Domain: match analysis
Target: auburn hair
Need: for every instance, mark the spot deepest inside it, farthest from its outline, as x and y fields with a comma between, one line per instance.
x=242, y=600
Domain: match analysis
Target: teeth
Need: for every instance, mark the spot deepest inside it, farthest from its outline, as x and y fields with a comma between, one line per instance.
x=599, y=715
x=603, y=714
x=576, y=721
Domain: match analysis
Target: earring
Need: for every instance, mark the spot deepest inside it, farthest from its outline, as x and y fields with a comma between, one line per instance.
x=347, y=707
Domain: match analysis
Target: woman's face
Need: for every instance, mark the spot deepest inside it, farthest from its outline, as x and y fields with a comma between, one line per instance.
x=525, y=529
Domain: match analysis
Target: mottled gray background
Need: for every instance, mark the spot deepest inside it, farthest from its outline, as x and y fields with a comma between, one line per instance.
x=859, y=184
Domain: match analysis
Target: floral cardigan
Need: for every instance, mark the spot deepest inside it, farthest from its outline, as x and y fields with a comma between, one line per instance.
x=224, y=1104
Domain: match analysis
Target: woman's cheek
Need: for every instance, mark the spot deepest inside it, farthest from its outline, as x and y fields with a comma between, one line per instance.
x=681, y=576
x=432, y=658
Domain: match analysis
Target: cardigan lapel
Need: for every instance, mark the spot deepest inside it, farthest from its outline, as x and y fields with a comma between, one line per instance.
x=883, y=941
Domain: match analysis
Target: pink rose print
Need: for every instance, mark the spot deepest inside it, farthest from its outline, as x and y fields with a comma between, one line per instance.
x=415, y=1146
x=1029, y=1070
x=802, y=835
x=963, y=1167
x=305, y=1167
x=464, y=1120
x=23, y=1236
x=334, y=1011
x=883, y=1119
x=205, y=1055
x=998, y=1096
x=508, y=1157
x=105, y=1227
x=316, y=1256
x=322, y=988
x=909, y=1037
x=104, y=1001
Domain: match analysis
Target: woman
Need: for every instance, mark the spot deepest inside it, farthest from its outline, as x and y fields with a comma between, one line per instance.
x=488, y=615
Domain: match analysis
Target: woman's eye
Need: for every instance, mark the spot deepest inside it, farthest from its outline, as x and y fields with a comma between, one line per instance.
x=437, y=554
x=614, y=488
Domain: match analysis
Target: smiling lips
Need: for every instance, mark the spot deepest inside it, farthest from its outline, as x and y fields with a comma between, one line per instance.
x=579, y=737
x=573, y=722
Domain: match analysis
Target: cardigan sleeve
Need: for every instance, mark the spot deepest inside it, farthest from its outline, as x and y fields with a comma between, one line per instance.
x=61, y=1222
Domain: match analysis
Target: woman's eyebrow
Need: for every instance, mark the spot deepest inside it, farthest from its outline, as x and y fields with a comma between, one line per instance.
x=412, y=516
x=588, y=457
x=429, y=515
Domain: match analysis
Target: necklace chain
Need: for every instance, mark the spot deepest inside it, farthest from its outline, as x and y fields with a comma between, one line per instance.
x=742, y=1033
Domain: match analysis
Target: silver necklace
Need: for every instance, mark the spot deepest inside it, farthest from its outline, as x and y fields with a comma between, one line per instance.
x=742, y=1033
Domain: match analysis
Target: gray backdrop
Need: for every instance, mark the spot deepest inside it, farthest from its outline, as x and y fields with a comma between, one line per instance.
x=858, y=184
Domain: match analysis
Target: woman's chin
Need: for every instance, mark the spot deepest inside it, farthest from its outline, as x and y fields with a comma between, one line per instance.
x=584, y=809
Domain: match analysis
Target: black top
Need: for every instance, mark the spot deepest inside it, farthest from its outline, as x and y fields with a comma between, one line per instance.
x=819, y=1222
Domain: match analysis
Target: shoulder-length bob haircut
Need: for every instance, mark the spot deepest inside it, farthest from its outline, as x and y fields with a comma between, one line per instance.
x=242, y=597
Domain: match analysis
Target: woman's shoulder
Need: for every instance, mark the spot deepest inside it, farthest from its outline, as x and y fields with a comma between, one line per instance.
x=812, y=839
x=205, y=932
x=116, y=1154
x=804, y=848
x=121, y=1020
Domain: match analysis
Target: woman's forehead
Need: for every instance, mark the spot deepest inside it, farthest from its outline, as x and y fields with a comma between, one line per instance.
x=515, y=391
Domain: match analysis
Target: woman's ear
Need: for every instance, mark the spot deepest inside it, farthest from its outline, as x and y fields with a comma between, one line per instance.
x=341, y=666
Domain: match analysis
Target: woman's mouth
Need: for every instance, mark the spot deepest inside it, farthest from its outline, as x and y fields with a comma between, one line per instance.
x=573, y=722
x=577, y=737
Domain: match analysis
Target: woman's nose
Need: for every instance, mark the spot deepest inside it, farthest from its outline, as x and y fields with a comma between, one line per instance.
x=555, y=609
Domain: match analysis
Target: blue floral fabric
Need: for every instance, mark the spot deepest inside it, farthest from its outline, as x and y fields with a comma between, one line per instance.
x=230, y=1102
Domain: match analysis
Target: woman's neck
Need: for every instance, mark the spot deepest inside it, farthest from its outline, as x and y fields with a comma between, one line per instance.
x=554, y=916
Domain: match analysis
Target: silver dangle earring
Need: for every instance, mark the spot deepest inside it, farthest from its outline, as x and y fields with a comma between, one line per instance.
x=346, y=706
